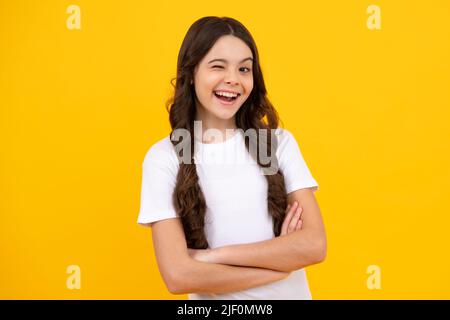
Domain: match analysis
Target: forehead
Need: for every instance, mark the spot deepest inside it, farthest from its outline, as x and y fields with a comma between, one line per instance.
x=229, y=48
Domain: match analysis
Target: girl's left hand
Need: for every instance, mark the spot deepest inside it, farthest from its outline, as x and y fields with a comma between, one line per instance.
x=292, y=220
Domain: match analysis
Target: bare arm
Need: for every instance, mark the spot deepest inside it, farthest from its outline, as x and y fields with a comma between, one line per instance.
x=202, y=277
x=293, y=251
x=182, y=274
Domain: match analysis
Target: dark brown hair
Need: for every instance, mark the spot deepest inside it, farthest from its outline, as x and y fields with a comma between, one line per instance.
x=255, y=113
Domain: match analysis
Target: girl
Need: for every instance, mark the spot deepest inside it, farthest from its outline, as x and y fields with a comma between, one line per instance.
x=244, y=228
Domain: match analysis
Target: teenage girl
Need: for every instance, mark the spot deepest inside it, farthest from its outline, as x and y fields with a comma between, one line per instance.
x=227, y=223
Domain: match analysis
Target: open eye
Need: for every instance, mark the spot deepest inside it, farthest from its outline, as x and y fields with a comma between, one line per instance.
x=246, y=68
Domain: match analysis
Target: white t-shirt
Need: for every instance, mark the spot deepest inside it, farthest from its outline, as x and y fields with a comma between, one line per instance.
x=235, y=192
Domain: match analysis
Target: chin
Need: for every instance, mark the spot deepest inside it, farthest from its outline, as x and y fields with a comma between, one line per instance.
x=226, y=116
x=225, y=113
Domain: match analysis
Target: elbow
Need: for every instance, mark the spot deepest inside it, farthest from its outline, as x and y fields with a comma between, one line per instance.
x=174, y=289
x=314, y=253
x=319, y=252
x=175, y=286
x=176, y=282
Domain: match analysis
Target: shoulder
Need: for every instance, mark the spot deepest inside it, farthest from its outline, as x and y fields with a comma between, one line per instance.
x=283, y=135
x=161, y=153
x=286, y=140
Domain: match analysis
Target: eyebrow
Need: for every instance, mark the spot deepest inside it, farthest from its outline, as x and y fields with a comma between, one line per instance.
x=225, y=61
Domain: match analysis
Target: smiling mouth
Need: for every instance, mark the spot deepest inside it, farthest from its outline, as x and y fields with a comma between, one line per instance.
x=224, y=98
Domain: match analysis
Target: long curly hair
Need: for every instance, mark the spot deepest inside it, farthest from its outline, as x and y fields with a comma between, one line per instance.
x=256, y=113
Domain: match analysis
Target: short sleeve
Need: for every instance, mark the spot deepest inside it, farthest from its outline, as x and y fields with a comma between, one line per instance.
x=292, y=164
x=159, y=174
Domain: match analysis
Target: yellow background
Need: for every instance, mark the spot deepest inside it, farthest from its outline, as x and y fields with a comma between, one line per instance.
x=80, y=108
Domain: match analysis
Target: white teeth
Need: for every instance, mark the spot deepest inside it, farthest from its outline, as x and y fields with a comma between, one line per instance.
x=226, y=94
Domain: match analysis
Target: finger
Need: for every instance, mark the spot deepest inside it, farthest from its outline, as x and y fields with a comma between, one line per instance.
x=299, y=224
x=294, y=220
x=288, y=218
x=291, y=209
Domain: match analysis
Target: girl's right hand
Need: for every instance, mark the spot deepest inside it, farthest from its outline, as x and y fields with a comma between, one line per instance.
x=292, y=221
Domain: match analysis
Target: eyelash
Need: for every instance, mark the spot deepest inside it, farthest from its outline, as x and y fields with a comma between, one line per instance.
x=240, y=68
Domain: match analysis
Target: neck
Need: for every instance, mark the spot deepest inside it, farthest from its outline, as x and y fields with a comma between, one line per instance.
x=209, y=121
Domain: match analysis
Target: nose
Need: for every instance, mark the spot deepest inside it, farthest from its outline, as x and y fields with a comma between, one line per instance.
x=231, y=78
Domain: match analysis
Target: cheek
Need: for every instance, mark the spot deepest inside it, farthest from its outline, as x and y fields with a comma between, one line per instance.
x=248, y=85
x=208, y=83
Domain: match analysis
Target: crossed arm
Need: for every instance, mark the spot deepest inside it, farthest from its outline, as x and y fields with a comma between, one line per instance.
x=239, y=267
x=286, y=253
